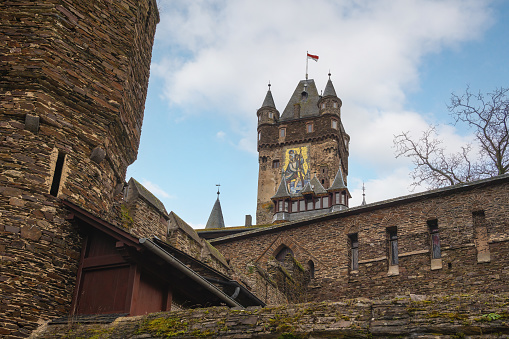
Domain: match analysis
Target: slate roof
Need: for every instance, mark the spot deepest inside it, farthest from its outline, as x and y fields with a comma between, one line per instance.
x=216, y=216
x=269, y=101
x=307, y=189
x=308, y=105
x=317, y=186
x=282, y=191
x=338, y=183
x=329, y=89
x=140, y=190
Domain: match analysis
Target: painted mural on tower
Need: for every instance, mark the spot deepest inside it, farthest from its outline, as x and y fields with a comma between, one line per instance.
x=296, y=168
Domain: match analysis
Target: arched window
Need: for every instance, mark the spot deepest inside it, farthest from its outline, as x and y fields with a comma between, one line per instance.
x=283, y=252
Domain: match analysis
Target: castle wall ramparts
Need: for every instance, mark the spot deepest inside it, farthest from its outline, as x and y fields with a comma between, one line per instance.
x=450, y=241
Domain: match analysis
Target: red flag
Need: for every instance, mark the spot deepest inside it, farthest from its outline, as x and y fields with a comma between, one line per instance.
x=313, y=57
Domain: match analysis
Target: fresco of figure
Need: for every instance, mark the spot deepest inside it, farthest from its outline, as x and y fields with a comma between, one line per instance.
x=296, y=171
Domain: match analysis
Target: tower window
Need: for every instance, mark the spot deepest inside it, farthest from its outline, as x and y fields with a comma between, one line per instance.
x=309, y=127
x=271, y=115
x=275, y=164
x=334, y=123
x=392, y=234
x=282, y=132
x=353, y=239
x=323, y=105
x=57, y=174
x=259, y=136
x=335, y=105
x=435, y=239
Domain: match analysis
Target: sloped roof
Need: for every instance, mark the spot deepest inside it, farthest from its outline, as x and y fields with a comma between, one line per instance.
x=317, y=186
x=176, y=222
x=140, y=190
x=308, y=105
x=329, y=89
x=269, y=101
x=307, y=189
x=216, y=216
x=338, y=183
x=282, y=191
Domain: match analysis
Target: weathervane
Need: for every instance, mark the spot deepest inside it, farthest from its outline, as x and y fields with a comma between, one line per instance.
x=218, y=187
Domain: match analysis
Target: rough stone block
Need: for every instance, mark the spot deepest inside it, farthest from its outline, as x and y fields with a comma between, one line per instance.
x=32, y=123
x=98, y=155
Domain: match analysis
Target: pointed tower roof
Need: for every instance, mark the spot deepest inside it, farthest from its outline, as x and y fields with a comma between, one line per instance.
x=329, y=89
x=338, y=183
x=317, y=186
x=282, y=191
x=269, y=101
x=216, y=216
x=307, y=189
x=308, y=102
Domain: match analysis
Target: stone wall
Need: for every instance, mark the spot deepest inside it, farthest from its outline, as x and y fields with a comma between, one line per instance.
x=73, y=79
x=325, y=242
x=457, y=316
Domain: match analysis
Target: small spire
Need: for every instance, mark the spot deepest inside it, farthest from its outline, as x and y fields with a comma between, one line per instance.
x=363, y=195
x=329, y=88
x=216, y=215
x=268, y=101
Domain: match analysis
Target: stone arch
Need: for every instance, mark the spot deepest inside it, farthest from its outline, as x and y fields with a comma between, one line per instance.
x=281, y=252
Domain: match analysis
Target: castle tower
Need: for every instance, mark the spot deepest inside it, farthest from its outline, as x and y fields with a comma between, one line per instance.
x=73, y=84
x=307, y=143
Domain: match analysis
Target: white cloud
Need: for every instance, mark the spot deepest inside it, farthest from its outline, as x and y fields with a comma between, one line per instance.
x=156, y=190
x=223, y=53
x=220, y=135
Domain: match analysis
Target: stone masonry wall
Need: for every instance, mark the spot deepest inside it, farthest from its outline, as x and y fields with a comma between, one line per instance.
x=73, y=79
x=325, y=242
x=147, y=220
x=457, y=316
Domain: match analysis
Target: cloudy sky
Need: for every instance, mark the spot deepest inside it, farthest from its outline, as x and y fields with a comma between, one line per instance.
x=394, y=64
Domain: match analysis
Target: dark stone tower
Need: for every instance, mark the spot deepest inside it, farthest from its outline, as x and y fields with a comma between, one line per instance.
x=73, y=82
x=307, y=144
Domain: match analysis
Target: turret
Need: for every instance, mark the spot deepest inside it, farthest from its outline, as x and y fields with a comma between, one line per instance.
x=268, y=114
x=329, y=103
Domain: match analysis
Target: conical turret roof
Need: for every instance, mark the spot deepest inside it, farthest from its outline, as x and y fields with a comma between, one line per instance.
x=216, y=216
x=269, y=101
x=317, y=187
x=329, y=89
x=282, y=191
x=338, y=183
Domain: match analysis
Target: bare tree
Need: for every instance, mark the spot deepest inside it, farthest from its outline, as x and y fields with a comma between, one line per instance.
x=488, y=116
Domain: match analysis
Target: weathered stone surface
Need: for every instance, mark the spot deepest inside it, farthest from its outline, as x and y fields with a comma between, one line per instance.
x=74, y=76
x=450, y=317
x=324, y=241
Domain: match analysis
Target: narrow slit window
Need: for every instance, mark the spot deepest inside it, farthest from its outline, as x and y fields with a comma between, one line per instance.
x=435, y=239
x=393, y=246
x=282, y=132
x=354, y=252
x=57, y=174
x=275, y=164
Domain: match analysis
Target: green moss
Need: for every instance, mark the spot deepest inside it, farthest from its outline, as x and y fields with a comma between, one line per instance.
x=127, y=220
x=167, y=327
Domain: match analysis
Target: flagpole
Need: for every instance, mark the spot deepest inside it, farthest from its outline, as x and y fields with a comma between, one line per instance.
x=307, y=52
